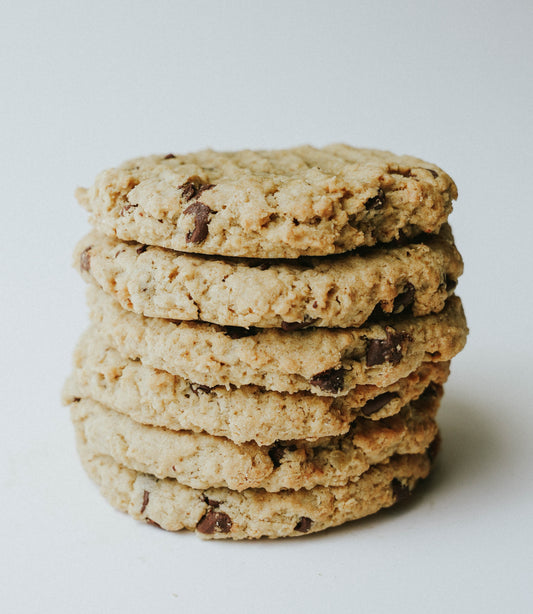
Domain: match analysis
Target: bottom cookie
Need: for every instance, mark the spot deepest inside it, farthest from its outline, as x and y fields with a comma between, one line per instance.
x=221, y=513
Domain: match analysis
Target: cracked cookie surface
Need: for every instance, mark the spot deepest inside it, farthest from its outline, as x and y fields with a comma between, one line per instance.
x=328, y=362
x=221, y=513
x=247, y=413
x=339, y=291
x=270, y=204
x=200, y=460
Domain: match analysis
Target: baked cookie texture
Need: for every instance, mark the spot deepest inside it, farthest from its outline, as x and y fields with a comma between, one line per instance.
x=287, y=203
x=339, y=291
x=222, y=513
x=270, y=332
x=246, y=413
x=327, y=362
x=200, y=460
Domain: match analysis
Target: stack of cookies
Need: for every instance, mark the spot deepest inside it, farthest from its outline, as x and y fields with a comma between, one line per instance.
x=270, y=333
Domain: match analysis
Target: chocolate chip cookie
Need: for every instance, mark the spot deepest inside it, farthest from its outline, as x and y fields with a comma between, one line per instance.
x=287, y=203
x=327, y=362
x=221, y=513
x=338, y=291
x=246, y=413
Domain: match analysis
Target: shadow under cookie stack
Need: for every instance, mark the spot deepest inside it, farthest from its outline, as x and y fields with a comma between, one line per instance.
x=270, y=333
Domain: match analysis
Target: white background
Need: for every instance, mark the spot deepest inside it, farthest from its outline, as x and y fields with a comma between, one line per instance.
x=85, y=85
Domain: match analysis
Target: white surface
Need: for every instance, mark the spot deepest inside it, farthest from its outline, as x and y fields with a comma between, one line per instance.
x=88, y=84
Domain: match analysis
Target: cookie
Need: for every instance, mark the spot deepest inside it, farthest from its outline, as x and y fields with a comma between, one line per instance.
x=328, y=362
x=248, y=413
x=338, y=291
x=200, y=460
x=220, y=513
x=270, y=204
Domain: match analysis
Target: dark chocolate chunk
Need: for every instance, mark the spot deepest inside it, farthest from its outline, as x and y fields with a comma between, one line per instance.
x=192, y=188
x=201, y=214
x=238, y=332
x=296, y=325
x=376, y=202
x=169, y=157
x=214, y=522
x=304, y=524
x=400, y=491
x=375, y=404
x=434, y=173
x=85, y=259
x=331, y=380
x=405, y=299
x=386, y=350
x=153, y=523
x=146, y=498
x=142, y=249
x=210, y=502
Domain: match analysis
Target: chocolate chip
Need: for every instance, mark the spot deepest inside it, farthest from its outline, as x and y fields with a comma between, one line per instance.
x=331, y=380
x=238, y=332
x=146, y=498
x=153, y=523
x=405, y=299
x=199, y=387
x=142, y=249
x=214, y=522
x=386, y=350
x=304, y=524
x=288, y=326
x=376, y=202
x=201, y=213
x=169, y=157
x=210, y=502
x=85, y=259
x=434, y=173
x=375, y=404
x=192, y=188
x=400, y=491
x=315, y=304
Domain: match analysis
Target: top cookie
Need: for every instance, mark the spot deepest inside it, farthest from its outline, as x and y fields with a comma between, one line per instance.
x=270, y=204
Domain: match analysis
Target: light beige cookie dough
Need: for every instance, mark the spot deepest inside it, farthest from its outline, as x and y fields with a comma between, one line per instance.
x=200, y=460
x=220, y=513
x=270, y=204
x=248, y=413
x=339, y=291
x=328, y=362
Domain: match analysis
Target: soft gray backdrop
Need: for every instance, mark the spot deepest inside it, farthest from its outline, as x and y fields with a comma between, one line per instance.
x=85, y=85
